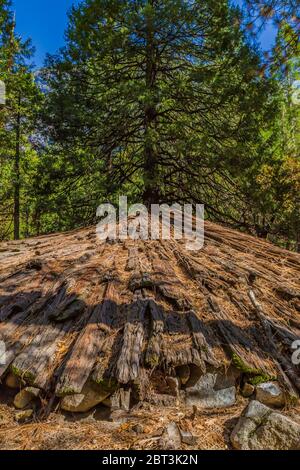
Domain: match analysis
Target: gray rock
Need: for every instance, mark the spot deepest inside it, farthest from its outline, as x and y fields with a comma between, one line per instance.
x=270, y=394
x=256, y=411
x=91, y=396
x=76, y=403
x=212, y=390
x=261, y=428
x=227, y=378
x=115, y=401
x=171, y=438
x=188, y=438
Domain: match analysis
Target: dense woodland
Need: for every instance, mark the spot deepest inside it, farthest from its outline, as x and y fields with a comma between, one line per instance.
x=162, y=100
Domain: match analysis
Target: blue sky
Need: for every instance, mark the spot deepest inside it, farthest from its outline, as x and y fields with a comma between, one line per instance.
x=45, y=22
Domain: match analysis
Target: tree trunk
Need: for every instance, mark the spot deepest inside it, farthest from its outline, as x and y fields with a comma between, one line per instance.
x=151, y=192
x=17, y=175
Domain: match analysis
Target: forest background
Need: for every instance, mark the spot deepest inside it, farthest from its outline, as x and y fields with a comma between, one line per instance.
x=162, y=101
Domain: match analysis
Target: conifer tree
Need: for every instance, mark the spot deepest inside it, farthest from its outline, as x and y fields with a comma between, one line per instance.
x=17, y=122
x=162, y=96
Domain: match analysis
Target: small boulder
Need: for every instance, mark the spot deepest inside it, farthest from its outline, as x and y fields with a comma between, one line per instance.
x=75, y=404
x=261, y=428
x=248, y=390
x=171, y=438
x=23, y=416
x=188, y=438
x=270, y=394
x=25, y=397
x=211, y=390
x=35, y=392
x=91, y=396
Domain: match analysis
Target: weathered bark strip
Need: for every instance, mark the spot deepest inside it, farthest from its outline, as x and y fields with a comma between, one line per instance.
x=166, y=282
x=285, y=365
x=210, y=279
x=289, y=316
x=169, y=293
x=286, y=293
x=236, y=343
x=21, y=329
x=88, y=346
x=20, y=304
x=286, y=336
x=175, y=358
x=199, y=333
x=129, y=362
x=133, y=259
x=154, y=351
x=141, y=281
x=34, y=363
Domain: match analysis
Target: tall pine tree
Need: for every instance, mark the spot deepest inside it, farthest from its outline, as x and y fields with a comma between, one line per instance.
x=160, y=96
x=17, y=124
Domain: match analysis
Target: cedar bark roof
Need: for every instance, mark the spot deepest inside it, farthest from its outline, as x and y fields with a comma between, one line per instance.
x=74, y=308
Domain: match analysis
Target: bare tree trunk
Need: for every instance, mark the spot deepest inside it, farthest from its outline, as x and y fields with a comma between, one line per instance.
x=17, y=175
x=151, y=189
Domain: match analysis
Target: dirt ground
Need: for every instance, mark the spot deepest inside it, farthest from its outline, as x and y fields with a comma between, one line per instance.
x=101, y=430
x=140, y=429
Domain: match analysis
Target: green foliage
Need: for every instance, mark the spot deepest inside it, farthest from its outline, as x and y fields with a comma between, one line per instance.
x=18, y=158
x=165, y=101
x=254, y=376
x=262, y=378
x=162, y=99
